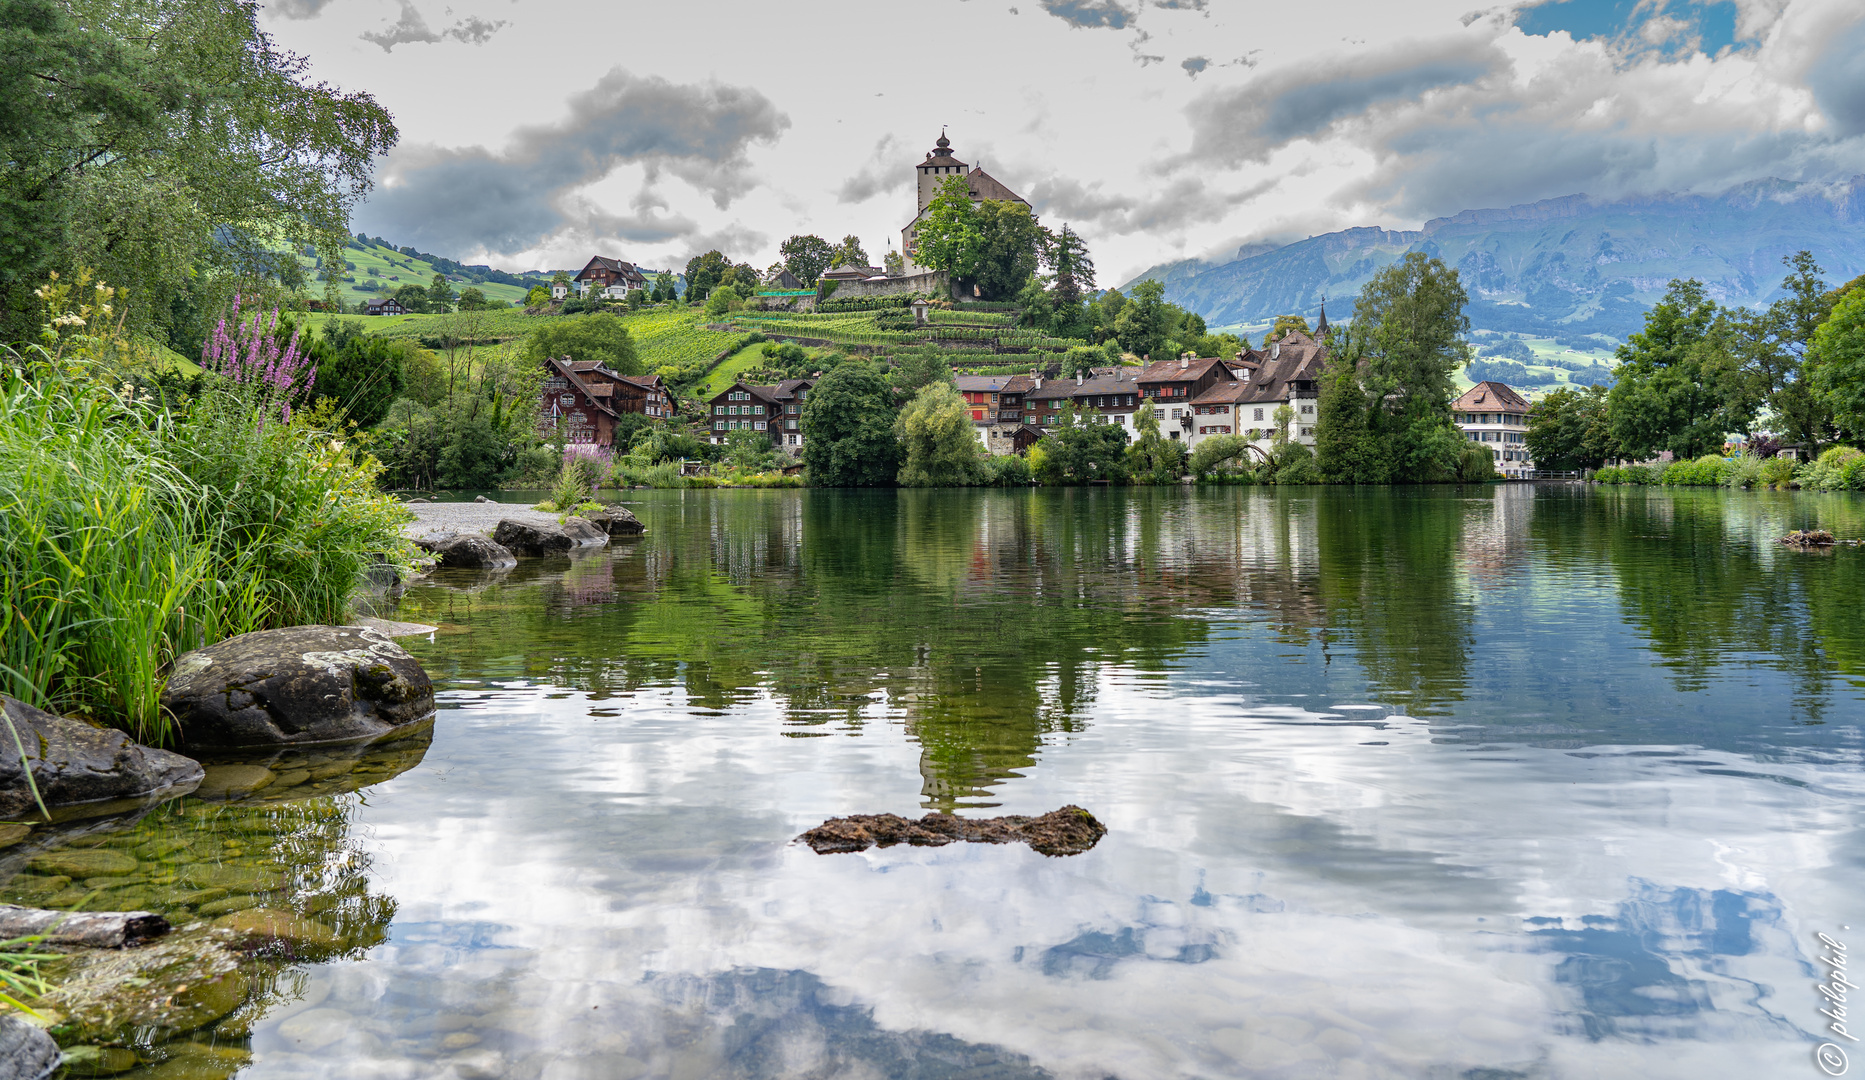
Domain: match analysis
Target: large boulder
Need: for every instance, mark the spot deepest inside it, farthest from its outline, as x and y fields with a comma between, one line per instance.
x=530, y=540
x=301, y=686
x=617, y=521
x=75, y=763
x=26, y=1053
x=470, y=552
x=584, y=532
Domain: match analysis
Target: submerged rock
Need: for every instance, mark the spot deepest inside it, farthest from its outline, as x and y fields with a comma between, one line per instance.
x=26, y=1053
x=532, y=541
x=268, y=925
x=74, y=763
x=302, y=686
x=1067, y=831
x=617, y=521
x=179, y=984
x=470, y=552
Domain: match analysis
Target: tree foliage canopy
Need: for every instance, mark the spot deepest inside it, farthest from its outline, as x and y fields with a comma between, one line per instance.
x=936, y=434
x=850, y=420
x=601, y=338
x=172, y=146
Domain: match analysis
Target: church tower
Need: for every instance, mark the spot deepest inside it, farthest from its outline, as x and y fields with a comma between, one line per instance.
x=938, y=165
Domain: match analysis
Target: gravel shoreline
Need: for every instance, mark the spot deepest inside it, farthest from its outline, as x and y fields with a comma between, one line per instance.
x=440, y=519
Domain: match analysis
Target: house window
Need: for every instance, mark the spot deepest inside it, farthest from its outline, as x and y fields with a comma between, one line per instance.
x=759, y=425
x=1308, y=431
x=791, y=424
x=718, y=425
x=1308, y=410
x=1258, y=416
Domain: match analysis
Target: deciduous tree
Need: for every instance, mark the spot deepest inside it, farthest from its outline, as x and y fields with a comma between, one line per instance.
x=1680, y=385
x=849, y=421
x=600, y=338
x=806, y=257
x=938, y=440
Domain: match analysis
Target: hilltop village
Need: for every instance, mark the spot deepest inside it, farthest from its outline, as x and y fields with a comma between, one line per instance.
x=1256, y=399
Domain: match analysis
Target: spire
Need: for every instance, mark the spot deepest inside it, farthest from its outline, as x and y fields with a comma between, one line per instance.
x=943, y=143
x=1321, y=325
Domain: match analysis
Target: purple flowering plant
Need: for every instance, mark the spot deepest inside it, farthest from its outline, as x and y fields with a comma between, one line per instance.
x=247, y=350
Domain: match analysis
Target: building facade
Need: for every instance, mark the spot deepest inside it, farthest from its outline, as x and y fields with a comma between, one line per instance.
x=1492, y=414
x=611, y=278
x=582, y=401
x=774, y=411
x=997, y=408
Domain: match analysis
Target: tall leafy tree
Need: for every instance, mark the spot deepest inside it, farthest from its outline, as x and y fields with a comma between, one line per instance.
x=1067, y=258
x=806, y=257
x=849, y=252
x=173, y=147
x=665, y=290
x=1153, y=458
x=1346, y=450
x=1009, y=248
x=704, y=273
x=440, y=294
x=938, y=440
x=1681, y=387
x=1774, y=349
x=1569, y=429
x=947, y=235
x=849, y=423
x=601, y=338
x=1408, y=326
x=1145, y=324
x=1839, y=347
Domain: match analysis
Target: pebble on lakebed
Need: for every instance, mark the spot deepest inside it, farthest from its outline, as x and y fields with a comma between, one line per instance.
x=1067, y=831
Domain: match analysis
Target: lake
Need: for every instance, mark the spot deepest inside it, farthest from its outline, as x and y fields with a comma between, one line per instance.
x=1510, y=781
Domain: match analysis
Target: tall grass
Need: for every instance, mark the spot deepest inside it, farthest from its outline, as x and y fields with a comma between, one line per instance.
x=130, y=534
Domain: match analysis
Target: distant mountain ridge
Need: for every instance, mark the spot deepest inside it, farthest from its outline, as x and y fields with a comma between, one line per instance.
x=1568, y=266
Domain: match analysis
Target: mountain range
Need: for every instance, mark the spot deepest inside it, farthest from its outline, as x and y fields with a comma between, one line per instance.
x=1569, y=267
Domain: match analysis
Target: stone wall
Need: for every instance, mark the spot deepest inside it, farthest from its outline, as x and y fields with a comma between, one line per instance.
x=928, y=282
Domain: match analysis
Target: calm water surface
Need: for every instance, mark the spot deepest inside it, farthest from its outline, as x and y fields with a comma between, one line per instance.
x=1512, y=782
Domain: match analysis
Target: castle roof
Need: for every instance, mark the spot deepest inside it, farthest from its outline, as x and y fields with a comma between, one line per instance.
x=985, y=186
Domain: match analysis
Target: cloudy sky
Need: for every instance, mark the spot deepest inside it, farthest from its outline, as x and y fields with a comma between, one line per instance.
x=534, y=135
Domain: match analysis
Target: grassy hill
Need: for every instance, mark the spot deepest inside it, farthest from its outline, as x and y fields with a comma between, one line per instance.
x=389, y=269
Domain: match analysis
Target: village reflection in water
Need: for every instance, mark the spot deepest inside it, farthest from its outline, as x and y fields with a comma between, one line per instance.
x=1514, y=781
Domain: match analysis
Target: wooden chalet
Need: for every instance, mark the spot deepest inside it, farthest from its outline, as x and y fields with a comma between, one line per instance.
x=387, y=305
x=584, y=400
x=612, y=278
x=776, y=411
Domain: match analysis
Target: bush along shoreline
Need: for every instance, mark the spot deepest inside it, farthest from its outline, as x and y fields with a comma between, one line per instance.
x=1840, y=468
x=134, y=529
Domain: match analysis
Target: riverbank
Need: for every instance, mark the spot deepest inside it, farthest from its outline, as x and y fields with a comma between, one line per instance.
x=436, y=519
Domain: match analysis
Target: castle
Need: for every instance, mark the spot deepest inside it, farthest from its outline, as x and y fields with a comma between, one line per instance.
x=938, y=165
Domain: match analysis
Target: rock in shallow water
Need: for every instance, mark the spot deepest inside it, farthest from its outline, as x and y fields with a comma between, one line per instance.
x=26, y=1053
x=75, y=763
x=584, y=532
x=532, y=541
x=301, y=686
x=1068, y=831
x=469, y=552
x=617, y=521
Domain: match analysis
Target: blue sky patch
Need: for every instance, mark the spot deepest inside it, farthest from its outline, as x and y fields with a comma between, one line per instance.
x=1584, y=19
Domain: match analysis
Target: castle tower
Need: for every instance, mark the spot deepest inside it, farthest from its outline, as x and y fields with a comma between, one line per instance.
x=938, y=165
x=1321, y=327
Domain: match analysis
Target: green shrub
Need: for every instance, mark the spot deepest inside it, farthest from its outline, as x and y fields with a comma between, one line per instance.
x=1476, y=464
x=1838, y=469
x=1744, y=472
x=1706, y=471
x=1778, y=472
x=1006, y=470
x=1626, y=474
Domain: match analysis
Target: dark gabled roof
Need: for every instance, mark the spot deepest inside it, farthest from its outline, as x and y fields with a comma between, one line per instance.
x=788, y=388
x=766, y=394
x=784, y=279
x=1295, y=358
x=1160, y=371
x=1105, y=381
x=625, y=269
x=850, y=272
x=1491, y=395
x=983, y=384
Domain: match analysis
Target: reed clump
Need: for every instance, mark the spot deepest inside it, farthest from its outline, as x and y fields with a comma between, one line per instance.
x=132, y=531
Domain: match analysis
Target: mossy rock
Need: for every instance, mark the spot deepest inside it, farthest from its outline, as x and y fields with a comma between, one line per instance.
x=76, y=863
